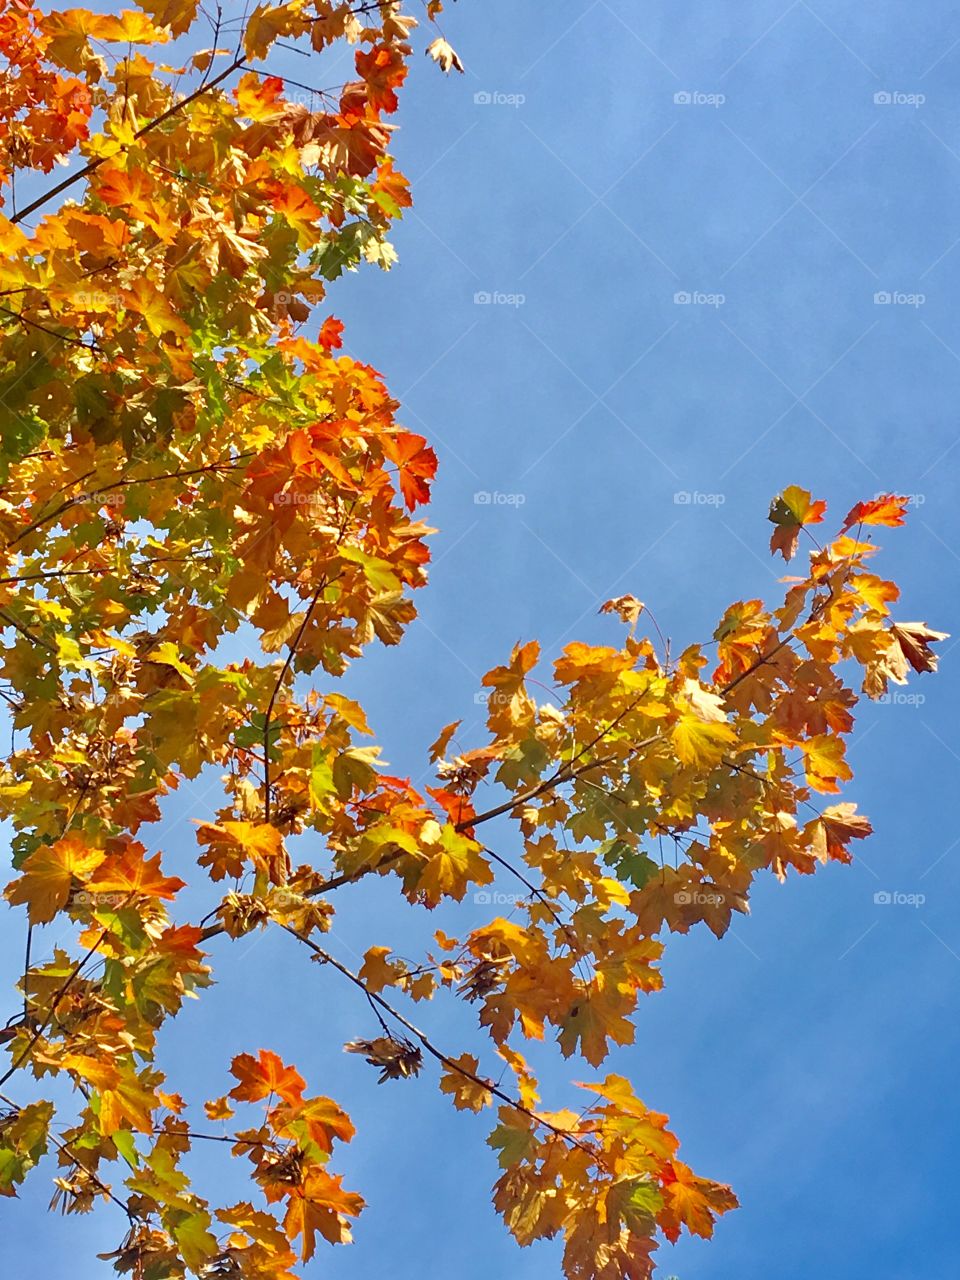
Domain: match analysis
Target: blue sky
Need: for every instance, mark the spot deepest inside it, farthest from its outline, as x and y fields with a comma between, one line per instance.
x=813, y=170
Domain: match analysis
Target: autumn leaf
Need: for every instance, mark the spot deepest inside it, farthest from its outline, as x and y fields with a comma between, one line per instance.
x=416, y=465
x=320, y=1206
x=915, y=639
x=597, y=1017
x=129, y=873
x=268, y=23
x=693, y=1202
x=23, y=1140
x=123, y=1100
x=627, y=608
x=701, y=743
x=232, y=845
x=395, y=1059
x=824, y=763
x=265, y=1076
x=444, y=55
x=790, y=512
x=461, y=1079
x=218, y=1109
x=887, y=510
x=317, y=1120
x=451, y=863
x=48, y=876
x=439, y=748
x=330, y=334
x=835, y=828
x=377, y=972
x=514, y=1138
x=178, y=15
x=260, y=97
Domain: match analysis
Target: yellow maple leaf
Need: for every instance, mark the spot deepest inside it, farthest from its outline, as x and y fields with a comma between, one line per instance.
x=701, y=742
x=461, y=1079
x=48, y=874
x=824, y=763
x=451, y=864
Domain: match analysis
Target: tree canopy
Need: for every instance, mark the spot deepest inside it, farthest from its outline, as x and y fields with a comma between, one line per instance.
x=188, y=456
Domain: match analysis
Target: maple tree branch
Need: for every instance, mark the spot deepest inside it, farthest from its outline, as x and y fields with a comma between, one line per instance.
x=25, y=631
x=276, y=690
x=84, y=275
x=537, y=893
x=58, y=996
x=26, y=969
x=431, y=1048
x=77, y=573
x=564, y=774
x=760, y=662
x=124, y=482
x=222, y=1137
x=785, y=640
x=65, y=1148
x=93, y=165
x=52, y=333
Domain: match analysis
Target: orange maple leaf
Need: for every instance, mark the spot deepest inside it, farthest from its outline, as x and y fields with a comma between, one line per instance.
x=264, y=1075
x=887, y=510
